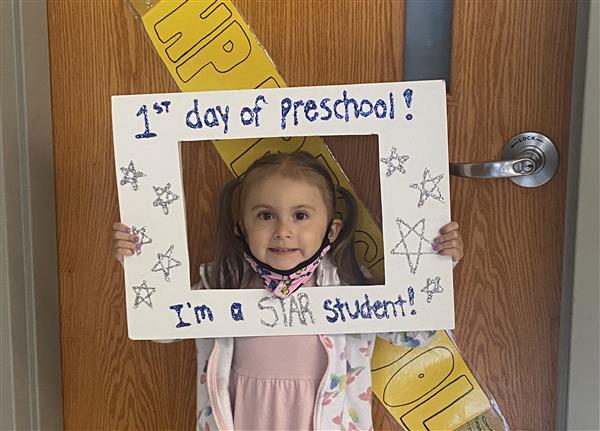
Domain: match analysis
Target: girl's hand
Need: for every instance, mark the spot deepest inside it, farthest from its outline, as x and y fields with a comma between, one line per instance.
x=124, y=242
x=449, y=242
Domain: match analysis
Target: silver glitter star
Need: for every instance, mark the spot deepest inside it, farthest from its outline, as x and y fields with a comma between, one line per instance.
x=144, y=238
x=432, y=287
x=164, y=197
x=402, y=247
x=394, y=162
x=131, y=175
x=142, y=294
x=429, y=188
x=166, y=263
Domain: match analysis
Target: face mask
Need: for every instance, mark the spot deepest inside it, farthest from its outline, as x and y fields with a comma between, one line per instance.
x=283, y=283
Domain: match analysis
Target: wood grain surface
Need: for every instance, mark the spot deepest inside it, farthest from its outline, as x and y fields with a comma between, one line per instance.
x=511, y=71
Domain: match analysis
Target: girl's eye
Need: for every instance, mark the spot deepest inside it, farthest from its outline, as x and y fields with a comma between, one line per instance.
x=301, y=215
x=265, y=215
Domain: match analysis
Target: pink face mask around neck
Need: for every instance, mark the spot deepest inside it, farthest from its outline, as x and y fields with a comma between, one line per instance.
x=283, y=285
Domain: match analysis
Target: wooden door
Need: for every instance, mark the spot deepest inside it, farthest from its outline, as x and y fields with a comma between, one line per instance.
x=511, y=71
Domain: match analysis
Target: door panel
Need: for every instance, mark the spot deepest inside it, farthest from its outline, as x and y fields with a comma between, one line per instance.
x=511, y=71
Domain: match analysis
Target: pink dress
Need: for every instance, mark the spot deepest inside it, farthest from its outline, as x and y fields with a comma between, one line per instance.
x=274, y=381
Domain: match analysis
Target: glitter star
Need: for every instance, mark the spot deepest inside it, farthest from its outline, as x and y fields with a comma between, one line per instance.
x=394, y=162
x=166, y=263
x=402, y=247
x=429, y=188
x=131, y=175
x=142, y=294
x=144, y=238
x=432, y=287
x=164, y=197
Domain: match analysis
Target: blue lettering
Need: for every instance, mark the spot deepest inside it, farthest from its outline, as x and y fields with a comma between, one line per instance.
x=201, y=312
x=335, y=105
x=380, y=309
x=297, y=104
x=387, y=302
x=327, y=307
x=214, y=121
x=286, y=105
x=376, y=306
x=323, y=105
x=224, y=117
x=347, y=102
x=382, y=112
x=197, y=124
x=177, y=308
x=401, y=303
x=236, y=311
x=257, y=108
x=365, y=309
x=364, y=103
x=308, y=108
x=246, y=116
x=356, y=313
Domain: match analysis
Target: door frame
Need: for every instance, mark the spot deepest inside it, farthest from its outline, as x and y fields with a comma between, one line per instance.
x=28, y=262
x=31, y=390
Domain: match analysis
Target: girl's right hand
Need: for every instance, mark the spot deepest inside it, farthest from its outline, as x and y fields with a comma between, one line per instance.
x=124, y=242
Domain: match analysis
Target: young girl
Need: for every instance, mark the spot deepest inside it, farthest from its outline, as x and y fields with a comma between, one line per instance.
x=277, y=230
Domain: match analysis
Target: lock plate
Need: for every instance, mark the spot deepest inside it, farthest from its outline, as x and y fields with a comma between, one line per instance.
x=540, y=149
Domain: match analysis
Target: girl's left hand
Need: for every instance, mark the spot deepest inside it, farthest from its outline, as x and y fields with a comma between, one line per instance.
x=449, y=242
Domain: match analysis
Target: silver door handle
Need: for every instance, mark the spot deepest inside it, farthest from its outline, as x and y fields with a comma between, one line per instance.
x=499, y=169
x=529, y=159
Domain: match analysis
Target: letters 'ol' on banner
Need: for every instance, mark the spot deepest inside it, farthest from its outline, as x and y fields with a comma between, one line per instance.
x=410, y=121
x=432, y=388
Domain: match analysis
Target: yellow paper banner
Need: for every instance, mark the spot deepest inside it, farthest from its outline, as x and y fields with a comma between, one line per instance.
x=426, y=389
x=207, y=45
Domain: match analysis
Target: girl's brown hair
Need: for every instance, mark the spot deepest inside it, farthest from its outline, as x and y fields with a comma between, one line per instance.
x=227, y=269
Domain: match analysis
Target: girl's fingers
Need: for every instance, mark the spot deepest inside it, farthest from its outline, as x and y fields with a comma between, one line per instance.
x=125, y=245
x=449, y=243
x=120, y=252
x=118, y=226
x=448, y=236
x=118, y=235
x=449, y=227
x=452, y=243
x=456, y=253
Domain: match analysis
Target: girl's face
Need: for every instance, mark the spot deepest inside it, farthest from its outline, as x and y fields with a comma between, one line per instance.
x=285, y=220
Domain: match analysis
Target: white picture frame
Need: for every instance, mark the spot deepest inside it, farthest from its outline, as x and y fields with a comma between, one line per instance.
x=410, y=121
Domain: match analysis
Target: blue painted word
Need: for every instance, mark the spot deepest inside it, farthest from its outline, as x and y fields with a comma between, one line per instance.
x=200, y=311
x=365, y=310
x=342, y=109
x=210, y=118
x=250, y=115
x=298, y=305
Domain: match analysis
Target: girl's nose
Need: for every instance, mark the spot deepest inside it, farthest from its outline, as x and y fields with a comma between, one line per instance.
x=282, y=230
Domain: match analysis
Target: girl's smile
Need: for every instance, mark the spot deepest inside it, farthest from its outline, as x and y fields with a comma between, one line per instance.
x=283, y=250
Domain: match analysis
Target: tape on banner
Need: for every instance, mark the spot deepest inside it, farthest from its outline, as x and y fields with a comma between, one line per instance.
x=207, y=45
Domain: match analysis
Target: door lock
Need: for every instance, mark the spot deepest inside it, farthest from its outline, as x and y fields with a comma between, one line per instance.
x=529, y=159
